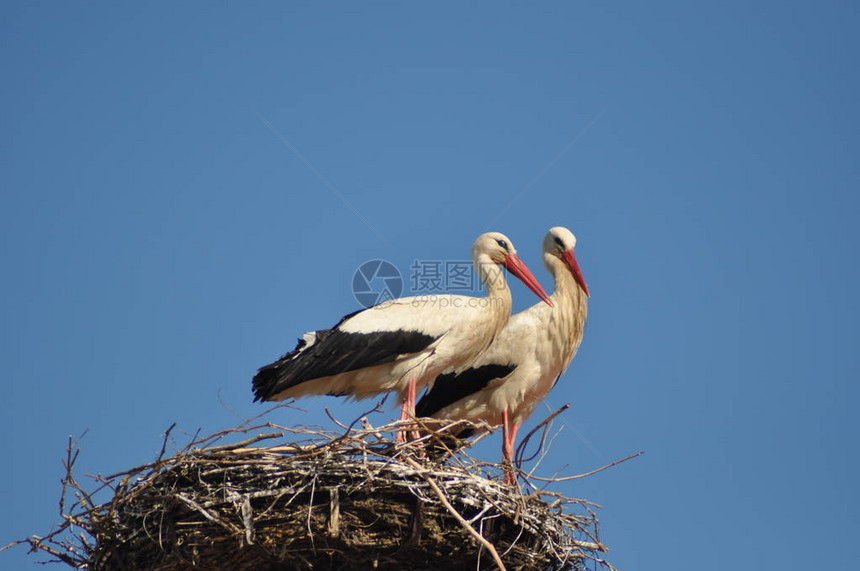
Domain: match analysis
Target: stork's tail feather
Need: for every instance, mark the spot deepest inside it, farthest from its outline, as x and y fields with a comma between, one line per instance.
x=265, y=381
x=269, y=380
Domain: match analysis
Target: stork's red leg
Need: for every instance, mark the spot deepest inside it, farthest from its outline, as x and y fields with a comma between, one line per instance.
x=404, y=415
x=512, y=441
x=407, y=410
x=511, y=448
x=509, y=433
x=413, y=396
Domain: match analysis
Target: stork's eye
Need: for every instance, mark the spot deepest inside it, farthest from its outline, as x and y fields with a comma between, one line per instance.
x=503, y=244
x=559, y=242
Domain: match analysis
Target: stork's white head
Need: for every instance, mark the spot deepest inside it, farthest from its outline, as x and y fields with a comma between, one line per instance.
x=494, y=249
x=560, y=243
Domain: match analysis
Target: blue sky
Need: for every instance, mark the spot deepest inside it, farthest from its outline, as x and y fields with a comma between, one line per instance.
x=160, y=241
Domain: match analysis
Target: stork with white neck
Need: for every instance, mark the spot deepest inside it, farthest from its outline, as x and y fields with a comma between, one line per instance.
x=403, y=344
x=508, y=380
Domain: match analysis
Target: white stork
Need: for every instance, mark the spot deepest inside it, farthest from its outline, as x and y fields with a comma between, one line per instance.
x=506, y=382
x=402, y=344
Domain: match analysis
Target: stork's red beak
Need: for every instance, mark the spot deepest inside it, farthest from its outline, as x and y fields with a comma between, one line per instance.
x=516, y=266
x=570, y=259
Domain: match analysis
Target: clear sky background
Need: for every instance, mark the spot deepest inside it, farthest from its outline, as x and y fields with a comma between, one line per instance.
x=160, y=241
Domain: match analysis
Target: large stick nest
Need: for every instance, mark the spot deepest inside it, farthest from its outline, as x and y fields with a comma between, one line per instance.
x=301, y=498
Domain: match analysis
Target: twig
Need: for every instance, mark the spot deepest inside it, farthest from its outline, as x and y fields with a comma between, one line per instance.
x=522, y=447
x=466, y=525
x=376, y=408
x=164, y=443
x=207, y=514
x=243, y=443
x=602, y=468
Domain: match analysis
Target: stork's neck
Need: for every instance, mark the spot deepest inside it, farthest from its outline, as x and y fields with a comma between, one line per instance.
x=498, y=293
x=567, y=321
x=493, y=275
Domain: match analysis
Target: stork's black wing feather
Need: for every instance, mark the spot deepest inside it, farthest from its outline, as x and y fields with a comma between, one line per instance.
x=335, y=351
x=449, y=388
